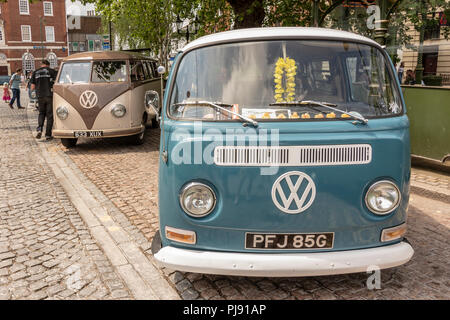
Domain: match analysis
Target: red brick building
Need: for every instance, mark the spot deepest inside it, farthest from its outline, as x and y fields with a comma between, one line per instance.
x=30, y=32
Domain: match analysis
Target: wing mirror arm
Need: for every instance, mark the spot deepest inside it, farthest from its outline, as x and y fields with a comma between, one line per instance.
x=164, y=156
x=152, y=102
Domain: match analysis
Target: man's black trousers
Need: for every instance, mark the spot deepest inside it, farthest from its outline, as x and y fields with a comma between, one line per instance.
x=45, y=111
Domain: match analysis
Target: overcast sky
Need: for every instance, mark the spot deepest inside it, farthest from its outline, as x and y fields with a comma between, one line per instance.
x=76, y=8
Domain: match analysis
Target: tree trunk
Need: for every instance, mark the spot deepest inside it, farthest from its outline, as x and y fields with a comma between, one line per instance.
x=249, y=13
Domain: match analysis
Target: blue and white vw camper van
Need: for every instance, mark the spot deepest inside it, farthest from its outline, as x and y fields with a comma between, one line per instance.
x=284, y=152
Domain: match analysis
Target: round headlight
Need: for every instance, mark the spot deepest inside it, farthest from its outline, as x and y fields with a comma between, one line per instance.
x=62, y=113
x=197, y=199
x=119, y=110
x=383, y=197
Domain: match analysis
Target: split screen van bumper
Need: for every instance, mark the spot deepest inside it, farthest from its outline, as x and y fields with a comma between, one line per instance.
x=107, y=133
x=284, y=264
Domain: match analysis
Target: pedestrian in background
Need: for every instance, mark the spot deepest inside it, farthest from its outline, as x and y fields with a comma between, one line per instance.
x=6, y=95
x=42, y=82
x=410, y=77
x=400, y=71
x=14, y=84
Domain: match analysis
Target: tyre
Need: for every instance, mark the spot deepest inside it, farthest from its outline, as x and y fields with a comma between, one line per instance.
x=69, y=143
x=155, y=123
x=138, y=139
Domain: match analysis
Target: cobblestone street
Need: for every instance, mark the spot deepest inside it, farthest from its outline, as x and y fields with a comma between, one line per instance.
x=48, y=249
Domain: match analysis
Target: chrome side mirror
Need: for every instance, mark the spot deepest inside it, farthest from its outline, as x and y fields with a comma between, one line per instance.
x=152, y=102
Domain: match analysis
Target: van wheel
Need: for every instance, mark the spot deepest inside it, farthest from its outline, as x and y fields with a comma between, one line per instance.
x=155, y=123
x=138, y=139
x=69, y=143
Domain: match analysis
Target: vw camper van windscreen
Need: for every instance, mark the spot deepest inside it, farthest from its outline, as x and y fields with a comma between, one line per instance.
x=75, y=72
x=268, y=79
x=109, y=71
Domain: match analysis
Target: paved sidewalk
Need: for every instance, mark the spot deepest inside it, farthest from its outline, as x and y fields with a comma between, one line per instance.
x=432, y=184
x=46, y=250
x=114, y=234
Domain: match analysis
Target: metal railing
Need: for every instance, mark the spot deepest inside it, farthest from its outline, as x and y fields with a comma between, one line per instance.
x=445, y=79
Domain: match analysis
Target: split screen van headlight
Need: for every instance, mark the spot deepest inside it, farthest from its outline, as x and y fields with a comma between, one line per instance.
x=197, y=199
x=383, y=197
x=118, y=110
x=62, y=113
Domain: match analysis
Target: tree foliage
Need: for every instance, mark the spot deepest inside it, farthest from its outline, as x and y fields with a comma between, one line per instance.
x=141, y=23
x=150, y=23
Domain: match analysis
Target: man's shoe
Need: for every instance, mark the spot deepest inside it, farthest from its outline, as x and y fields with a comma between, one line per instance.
x=38, y=135
x=48, y=138
x=21, y=107
x=11, y=106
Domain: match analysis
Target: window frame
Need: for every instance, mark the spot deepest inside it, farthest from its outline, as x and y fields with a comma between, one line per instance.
x=22, y=32
x=73, y=62
x=21, y=3
x=52, y=57
x=32, y=61
x=46, y=34
x=127, y=75
x=51, y=8
x=137, y=62
x=2, y=35
x=175, y=70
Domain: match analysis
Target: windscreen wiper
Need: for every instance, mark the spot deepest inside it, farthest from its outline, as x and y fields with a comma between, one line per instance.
x=217, y=106
x=330, y=106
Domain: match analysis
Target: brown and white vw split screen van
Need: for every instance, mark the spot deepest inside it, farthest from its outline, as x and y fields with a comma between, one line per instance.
x=101, y=94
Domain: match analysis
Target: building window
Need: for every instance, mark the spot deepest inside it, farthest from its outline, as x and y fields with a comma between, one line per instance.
x=28, y=62
x=2, y=35
x=432, y=32
x=48, y=8
x=53, y=59
x=24, y=7
x=3, y=58
x=49, y=34
x=26, y=33
x=82, y=46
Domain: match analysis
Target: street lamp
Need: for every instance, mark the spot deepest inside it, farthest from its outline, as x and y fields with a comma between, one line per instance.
x=191, y=28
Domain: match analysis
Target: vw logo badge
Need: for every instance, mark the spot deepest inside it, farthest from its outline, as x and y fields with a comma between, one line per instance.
x=296, y=190
x=88, y=99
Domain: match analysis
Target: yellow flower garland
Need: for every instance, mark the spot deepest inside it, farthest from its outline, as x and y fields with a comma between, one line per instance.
x=285, y=66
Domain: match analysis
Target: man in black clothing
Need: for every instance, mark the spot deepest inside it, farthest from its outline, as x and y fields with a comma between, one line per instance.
x=42, y=81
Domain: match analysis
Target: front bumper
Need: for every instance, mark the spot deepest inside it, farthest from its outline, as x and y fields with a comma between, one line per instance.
x=107, y=133
x=286, y=264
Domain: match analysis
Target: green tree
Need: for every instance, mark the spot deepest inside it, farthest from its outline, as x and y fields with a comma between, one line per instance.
x=141, y=23
x=150, y=23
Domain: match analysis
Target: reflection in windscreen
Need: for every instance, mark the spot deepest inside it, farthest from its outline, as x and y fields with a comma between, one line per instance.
x=109, y=71
x=75, y=72
x=249, y=77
